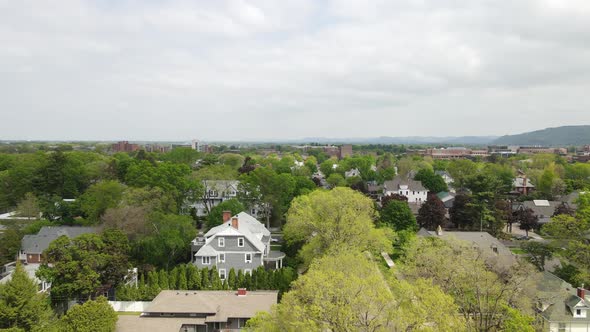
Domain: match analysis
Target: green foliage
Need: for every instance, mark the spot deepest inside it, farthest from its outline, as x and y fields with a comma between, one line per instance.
x=78, y=267
x=516, y=321
x=397, y=215
x=538, y=252
x=339, y=219
x=92, y=316
x=28, y=207
x=460, y=170
x=346, y=292
x=182, y=155
x=232, y=160
x=215, y=217
x=433, y=182
x=99, y=197
x=336, y=180
x=167, y=241
x=21, y=307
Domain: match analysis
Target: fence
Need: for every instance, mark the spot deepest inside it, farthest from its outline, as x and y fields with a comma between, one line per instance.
x=129, y=306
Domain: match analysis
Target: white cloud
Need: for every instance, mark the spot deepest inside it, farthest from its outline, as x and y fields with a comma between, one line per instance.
x=257, y=69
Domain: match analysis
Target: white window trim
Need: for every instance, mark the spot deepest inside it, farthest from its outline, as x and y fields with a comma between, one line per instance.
x=221, y=260
x=246, y=257
x=242, y=240
x=208, y=260
x=249, y=271
x=224, y=274
x=221, y=242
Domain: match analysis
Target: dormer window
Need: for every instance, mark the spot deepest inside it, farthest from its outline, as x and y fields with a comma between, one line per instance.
x=578, y=312
x=240, y=242
x=221, y=242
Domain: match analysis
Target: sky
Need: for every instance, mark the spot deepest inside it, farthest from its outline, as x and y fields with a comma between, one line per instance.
x=289, y=69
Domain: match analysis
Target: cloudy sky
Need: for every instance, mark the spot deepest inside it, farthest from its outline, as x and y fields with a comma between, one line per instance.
x=237, y=69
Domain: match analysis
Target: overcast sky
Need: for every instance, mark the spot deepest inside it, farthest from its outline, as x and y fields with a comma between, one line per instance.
x=232, y=70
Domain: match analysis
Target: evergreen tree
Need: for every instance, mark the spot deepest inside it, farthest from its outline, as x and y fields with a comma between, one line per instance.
x=182, y=281
x=163, y=279
x=194, y=277
x=205, y=281
x=231, y=279
x=215, y=280
x=21, y=307
x=240, y=282
x=173, y=278
x=153, y=285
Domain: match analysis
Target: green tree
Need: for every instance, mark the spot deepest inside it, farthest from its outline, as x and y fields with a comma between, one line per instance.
x=538, y=253
x=527, y=219
x=29, y=207
x=433, y=182
x=336, y=180
x=194, y=277
x=167, y=242
x=215, y=217
x=232, y=160
x=21, y=307
x=460, y=170
x=462, y=213
x=92, y=316
x=347, y=292
x=339, y=218
x=99, y=197
x=397, y=215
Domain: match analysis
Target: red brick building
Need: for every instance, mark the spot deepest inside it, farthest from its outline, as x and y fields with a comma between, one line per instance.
x=124, y=146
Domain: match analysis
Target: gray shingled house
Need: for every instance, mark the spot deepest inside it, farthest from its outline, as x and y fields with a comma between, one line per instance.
x=32, y=246
x=241, y=242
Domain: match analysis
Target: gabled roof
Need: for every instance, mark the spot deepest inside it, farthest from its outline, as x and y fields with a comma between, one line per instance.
x=248, y=226
x=36, y=244
x=221, y=185
x=217, y=305
x=576, y=302
x=398, y=181
x=518, y=182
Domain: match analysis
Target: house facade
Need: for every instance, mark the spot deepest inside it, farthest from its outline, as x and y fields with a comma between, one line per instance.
x=413, y=190
x=216, y=191
x=241, y=242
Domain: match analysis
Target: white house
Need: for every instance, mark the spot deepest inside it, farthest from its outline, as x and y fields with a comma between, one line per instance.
x=352, y=173
x=216, y=191
x=412, y=189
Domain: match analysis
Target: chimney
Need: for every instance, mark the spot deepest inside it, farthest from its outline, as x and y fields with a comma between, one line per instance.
x=234, y=222
x=524, y=184
x=226, y=215
x=581, y=293
x=242, y=291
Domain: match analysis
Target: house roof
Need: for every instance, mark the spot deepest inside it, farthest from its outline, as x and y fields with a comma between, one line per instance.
x=518, y=182
x=221, y=185
x=398, y=181
x=248, y=226
x=557, y=297
x=217, y=305
x=36, y=244
x=488, y=244
x=542, y=208
x=127, y=323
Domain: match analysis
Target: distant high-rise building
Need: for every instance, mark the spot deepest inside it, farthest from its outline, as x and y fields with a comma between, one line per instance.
x=124, y=146
x=345, y=151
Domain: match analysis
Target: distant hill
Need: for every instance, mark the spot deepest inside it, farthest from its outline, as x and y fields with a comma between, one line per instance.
x=558, y=136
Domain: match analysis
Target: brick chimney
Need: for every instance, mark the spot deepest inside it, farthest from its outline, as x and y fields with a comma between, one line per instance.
x=226, y=215
x=242, y=291
x=581, y=293
x=234, y=222
x=524, y=180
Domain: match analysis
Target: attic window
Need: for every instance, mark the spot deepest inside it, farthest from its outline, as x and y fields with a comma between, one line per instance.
x=240, y=242
x=578, y=312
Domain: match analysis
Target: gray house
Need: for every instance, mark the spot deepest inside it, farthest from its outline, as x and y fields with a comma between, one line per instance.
x=241, y=242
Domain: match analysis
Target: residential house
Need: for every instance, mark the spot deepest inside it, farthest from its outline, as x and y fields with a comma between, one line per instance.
x=495, y=251
x=216, y=191
x=32, y=246
x=446, y=177
x=412, y=189
x=562, y=307
x=522, y=186
x=447, y=198
x=541, y=208
x=374, y=190
x=199, y=311
x=241, y=242
x=352, y=173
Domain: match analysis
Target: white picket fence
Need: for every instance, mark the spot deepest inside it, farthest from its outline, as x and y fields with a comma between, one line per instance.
x=129, y=306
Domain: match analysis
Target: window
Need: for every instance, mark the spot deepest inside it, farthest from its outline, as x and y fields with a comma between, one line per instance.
x=221, y=242
x=578, y=312
x=413, y=192
x=248, y=271
x=206, y=260
x=248, y=258
x=222, y=258
x=222, y=274
x=562, y=327
x=407, y=193
x=240, y=242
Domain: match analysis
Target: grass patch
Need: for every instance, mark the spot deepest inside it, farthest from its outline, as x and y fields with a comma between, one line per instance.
x=517, y=251
x=276, y=247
